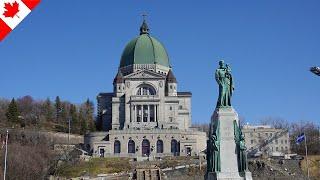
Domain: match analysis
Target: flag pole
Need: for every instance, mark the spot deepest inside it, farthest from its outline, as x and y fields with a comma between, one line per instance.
x=5, y=157
x=306, y=148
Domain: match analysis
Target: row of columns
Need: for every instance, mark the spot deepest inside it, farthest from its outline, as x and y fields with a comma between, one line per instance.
x=144, y=107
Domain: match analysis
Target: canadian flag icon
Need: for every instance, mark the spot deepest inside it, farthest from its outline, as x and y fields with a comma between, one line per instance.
x=12, y=12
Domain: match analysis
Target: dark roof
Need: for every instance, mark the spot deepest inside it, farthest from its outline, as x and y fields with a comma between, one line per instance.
x=118, y=78
x=184, y=94
x=105, y=94
x=171, y=78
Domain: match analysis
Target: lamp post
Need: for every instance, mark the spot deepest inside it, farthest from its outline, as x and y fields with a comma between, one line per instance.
x=315, y=70
x=5, y=158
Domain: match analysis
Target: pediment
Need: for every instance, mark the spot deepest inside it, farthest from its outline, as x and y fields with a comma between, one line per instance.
x=145, y=74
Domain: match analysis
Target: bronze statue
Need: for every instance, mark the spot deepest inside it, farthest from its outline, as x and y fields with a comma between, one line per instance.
x=224, y=79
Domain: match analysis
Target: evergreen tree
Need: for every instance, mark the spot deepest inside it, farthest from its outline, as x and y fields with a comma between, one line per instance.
x=83, y=121
x=90, y=115
x=58, y=107
x=48, y=110
x=74, y=119
x=63, y=116
x=12, y=113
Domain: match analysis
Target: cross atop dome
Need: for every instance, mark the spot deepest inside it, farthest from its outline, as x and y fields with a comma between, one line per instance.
x=144, y=29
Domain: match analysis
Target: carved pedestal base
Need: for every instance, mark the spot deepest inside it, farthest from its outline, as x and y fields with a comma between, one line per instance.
x=228, y=154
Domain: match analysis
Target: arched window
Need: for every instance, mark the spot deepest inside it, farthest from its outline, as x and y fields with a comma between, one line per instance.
x=131, y=147
x=145, y=147
x=159, y=146
x=117, y=147
x=145, y=90
x=175, y=147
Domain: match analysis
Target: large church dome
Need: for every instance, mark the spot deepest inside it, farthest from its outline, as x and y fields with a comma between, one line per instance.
x=144, y=49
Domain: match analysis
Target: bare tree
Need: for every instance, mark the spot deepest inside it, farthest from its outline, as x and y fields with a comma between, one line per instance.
x=275, y=122
x=312, y=133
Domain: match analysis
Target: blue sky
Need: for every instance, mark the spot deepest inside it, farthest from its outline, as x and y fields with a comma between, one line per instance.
x=73, y=48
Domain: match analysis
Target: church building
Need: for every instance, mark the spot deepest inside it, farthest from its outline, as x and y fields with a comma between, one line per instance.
x=145, y=115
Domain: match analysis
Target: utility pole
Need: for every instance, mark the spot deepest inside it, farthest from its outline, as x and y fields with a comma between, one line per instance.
x=69, y=131
x=306, y=147
x=5, y=157
x=199, y=161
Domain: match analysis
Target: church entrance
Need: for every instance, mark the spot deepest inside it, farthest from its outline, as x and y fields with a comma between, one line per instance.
x=175, y=147
x=145, y=147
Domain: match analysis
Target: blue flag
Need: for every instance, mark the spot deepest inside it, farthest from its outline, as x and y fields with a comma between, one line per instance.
x=300, y=138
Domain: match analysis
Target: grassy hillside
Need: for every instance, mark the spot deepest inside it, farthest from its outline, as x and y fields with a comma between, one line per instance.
x=314, y=165
x=94, y=167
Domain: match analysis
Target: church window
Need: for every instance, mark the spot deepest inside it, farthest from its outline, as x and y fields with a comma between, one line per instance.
x=152, y=113
x=171, y=119
x=139, y=113
x=145, y=147
x=175, y=147
x=145, y=90
x=117, y=147
x=277, y=149
x=170, y=86
x=180, y=107
x=145, y=113
x=131, y=147
x=170, y=108
x=159, y=146
x=285, y=141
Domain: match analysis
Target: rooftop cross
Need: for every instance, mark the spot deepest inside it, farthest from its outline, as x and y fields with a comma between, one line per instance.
x=144, y=15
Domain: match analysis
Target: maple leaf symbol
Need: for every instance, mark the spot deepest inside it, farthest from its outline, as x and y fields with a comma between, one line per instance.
x=11, y=9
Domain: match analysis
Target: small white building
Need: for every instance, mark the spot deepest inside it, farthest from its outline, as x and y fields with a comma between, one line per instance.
x=145, y=115
x=265, y=139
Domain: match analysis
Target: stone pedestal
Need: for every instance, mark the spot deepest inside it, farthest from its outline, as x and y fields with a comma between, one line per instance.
x=228, y=153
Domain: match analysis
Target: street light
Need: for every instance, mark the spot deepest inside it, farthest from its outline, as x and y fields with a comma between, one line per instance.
x=315, y=70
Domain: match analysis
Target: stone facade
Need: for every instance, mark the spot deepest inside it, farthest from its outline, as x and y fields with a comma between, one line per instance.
x=266, y=139
x=145, y=115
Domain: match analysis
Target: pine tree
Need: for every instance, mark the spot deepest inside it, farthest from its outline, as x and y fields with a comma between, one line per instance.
x=63, y=116
x=48, y=110
x=12, y=113
x=74, y=119
x=58, y=108
x=83, y=121
x=90, y=115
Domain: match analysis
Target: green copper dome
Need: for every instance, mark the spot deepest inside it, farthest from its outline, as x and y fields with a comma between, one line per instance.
x=144, y=49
